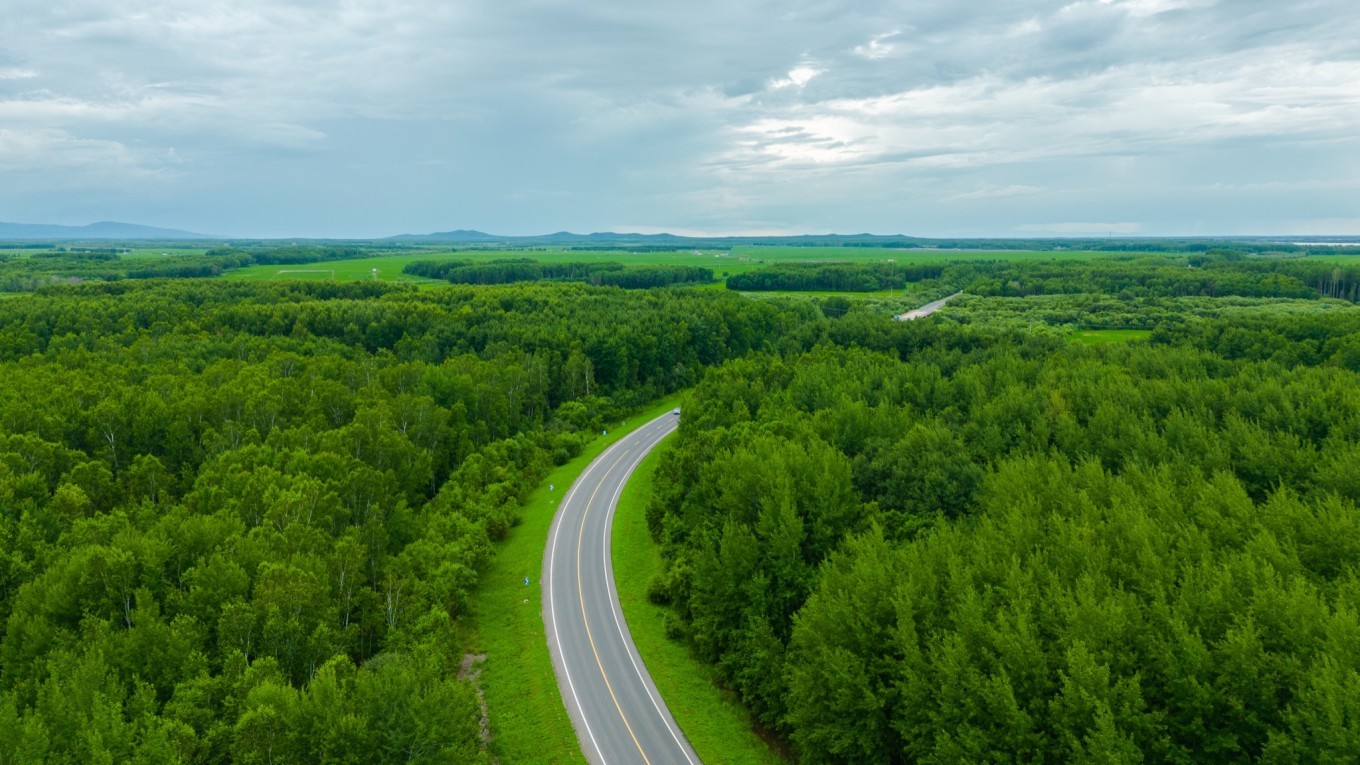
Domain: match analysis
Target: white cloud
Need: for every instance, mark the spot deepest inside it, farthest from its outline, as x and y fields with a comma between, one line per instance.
x=878, y=47
x=797, y=77
x=691, y=119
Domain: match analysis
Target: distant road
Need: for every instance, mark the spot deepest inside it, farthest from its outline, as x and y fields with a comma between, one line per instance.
x=927, y=309
x=618, y=715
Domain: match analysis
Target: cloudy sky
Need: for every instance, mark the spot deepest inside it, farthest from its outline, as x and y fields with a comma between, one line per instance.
x=358, y=118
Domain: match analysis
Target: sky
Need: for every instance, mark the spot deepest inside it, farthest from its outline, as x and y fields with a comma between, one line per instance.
x=367, y=118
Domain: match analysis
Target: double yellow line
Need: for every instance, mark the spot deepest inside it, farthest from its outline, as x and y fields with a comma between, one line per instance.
x=580, y=596
x=647, y=440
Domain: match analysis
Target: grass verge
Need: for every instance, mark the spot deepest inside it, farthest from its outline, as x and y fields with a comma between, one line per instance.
x=1106, y=336
x=529, y=724
x=716, y=724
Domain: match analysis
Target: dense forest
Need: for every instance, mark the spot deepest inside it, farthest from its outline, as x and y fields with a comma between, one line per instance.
x=1215, y=273
x=837, y=277
x=243, y=522
x=927, y=542
x=240, y=523
x=1208, y=275
x=512, y=270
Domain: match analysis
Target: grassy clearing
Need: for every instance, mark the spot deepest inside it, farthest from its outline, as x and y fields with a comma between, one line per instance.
x=388, y=269
x=714, y=721
x=1107, y=336
x=529, y=723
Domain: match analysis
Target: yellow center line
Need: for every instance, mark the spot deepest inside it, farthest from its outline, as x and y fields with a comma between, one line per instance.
x=580, y=594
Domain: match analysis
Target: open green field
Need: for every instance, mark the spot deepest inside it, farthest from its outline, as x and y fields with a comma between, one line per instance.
x=388, y=269
x=1343, y=259
x=1108, y=336
x=714, y=721
x=529, y=723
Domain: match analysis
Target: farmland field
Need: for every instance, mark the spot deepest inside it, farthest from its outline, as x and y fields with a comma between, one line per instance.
x=388, y=269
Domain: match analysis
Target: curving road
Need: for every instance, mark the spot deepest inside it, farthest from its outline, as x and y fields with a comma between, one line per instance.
x=927, y=309
x=618, y=715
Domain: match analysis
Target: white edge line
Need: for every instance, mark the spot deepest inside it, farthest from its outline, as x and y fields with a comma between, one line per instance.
x=552, y=601
x=614, y=605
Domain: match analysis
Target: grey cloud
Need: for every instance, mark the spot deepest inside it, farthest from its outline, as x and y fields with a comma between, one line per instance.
x=530, y=115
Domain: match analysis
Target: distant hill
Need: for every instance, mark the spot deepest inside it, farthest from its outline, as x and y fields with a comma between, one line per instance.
x=461, y=235
x=465, y=236
x=609, y=240
x=615, y=239
x=101, y=230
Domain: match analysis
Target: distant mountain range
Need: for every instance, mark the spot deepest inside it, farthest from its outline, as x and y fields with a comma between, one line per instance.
x=108, y=230
x=111, y=231
x=101, y=230
x=614, y=239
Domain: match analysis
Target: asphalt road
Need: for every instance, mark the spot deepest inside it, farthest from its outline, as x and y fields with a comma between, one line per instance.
x=618, y=715
x=927, y=309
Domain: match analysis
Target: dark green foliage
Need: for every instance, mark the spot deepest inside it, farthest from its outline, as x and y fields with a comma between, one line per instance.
x=293, y=255
x=643, y=277
x=243, y=523
x=1155, y=277
x=508, y=271
x=1006, y=548
x=1217, y=273
x=838, y=277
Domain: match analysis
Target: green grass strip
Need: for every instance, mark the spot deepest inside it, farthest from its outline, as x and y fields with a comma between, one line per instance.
x=1107, y=336
x=529, y=723
x=717, y=725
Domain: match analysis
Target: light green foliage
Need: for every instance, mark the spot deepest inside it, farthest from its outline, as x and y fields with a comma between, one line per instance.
x=1103, y=336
